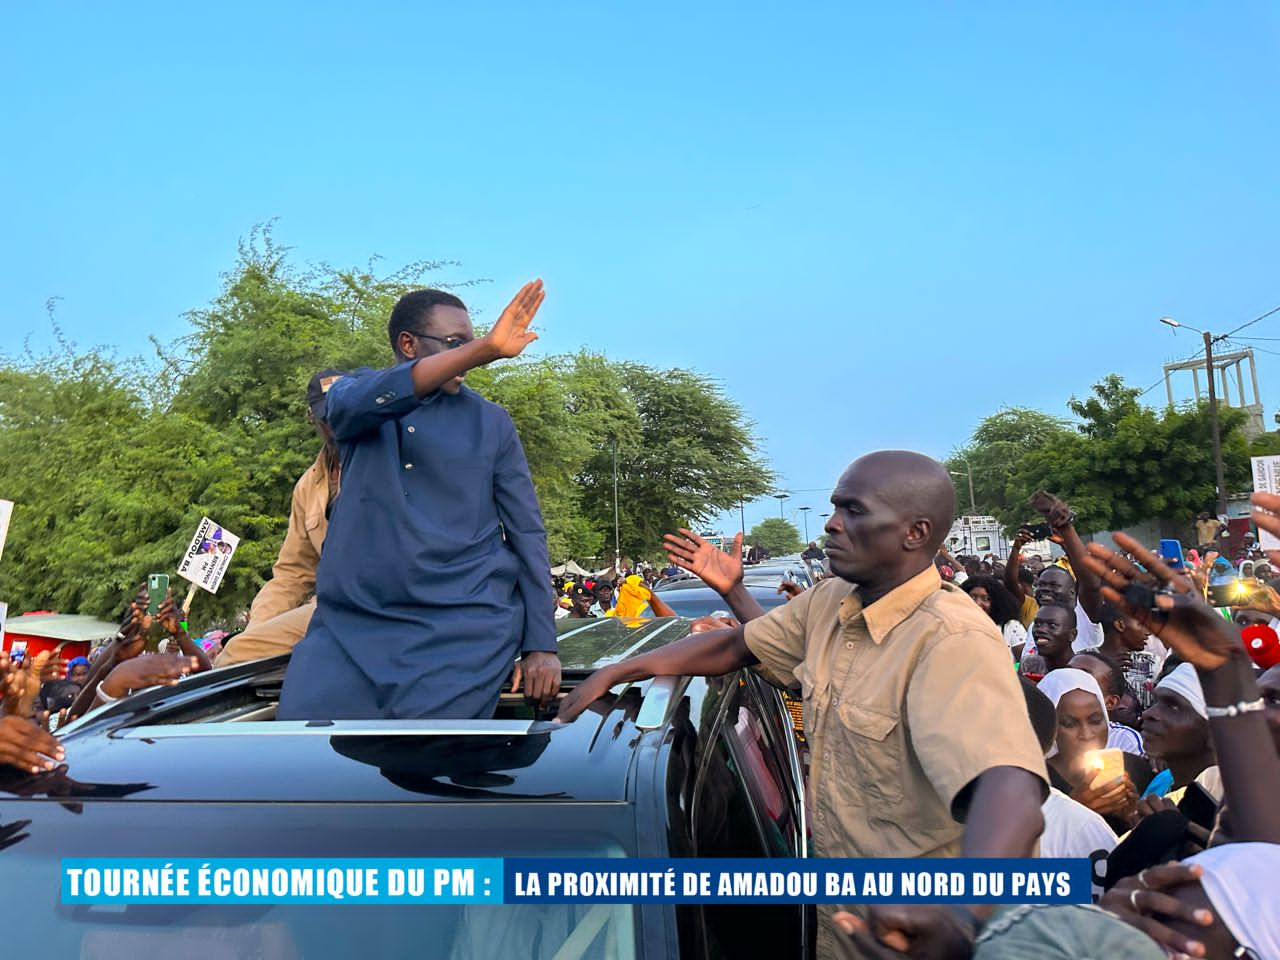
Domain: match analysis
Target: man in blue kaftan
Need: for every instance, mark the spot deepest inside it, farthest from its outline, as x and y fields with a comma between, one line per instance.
x=434, y=572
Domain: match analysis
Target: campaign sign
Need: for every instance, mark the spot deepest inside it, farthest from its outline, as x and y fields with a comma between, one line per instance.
x=208, y=556
x=6, y=513
x=1266, y=479
x=574, y=880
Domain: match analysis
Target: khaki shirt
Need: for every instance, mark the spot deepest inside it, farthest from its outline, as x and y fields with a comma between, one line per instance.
x=293, y=578
x=906, y=703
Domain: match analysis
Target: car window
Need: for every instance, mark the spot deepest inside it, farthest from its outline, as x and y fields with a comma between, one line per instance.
x=743, y=808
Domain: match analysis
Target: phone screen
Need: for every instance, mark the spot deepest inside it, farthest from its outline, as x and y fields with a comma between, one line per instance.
x=157, y=587
x=1108, y=763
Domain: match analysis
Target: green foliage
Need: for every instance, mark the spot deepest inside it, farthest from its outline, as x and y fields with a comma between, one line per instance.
x=775, y=536
x=1122, y=464
x=997, y=444
x=112, y=463
x=1266, y=445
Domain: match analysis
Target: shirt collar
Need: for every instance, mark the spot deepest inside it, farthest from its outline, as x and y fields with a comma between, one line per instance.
x=894, y=607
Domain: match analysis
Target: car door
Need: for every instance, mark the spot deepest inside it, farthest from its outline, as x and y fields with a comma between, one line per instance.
x=747, y=804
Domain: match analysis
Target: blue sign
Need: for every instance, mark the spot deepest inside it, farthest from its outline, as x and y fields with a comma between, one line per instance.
x=573, y=880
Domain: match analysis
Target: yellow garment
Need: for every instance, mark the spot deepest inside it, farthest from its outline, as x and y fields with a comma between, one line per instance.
x=633, y=598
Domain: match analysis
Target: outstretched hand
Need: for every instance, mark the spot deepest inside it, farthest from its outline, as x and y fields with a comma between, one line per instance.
x=1164, y=603
x=1054, y=510
x=23, y=744
x=719, y=570
x=511, y=334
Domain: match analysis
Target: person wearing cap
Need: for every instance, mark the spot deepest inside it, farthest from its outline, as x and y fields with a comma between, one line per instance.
x=434, y=573
x=281, y=612
x=581, y=600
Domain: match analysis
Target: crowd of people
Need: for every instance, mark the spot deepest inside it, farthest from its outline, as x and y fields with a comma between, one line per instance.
x=1103, y=705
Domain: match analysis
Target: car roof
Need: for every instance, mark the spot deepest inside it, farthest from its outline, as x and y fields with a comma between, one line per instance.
x=168, y=744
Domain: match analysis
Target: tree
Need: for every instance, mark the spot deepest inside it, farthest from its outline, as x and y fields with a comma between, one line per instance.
x=687, y=456
x=776, y=537
x=113, y=462
x=997, y=444
x=1123, y=468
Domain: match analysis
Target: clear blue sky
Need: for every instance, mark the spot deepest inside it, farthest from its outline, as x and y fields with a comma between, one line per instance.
x=874, y=223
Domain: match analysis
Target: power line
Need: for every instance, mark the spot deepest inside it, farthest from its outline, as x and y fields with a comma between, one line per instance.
x=1250, y=323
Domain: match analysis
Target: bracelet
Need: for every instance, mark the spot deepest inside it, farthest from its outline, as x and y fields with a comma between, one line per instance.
x=104, y=696
x=1235, y=709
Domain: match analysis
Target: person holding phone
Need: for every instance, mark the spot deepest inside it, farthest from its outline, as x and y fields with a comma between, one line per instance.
x=1082, y=732
x=434, y=575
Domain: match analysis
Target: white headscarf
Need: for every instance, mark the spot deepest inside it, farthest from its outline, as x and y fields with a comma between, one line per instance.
x=1237, y=882
x=1058, y=683
x=1183, y=681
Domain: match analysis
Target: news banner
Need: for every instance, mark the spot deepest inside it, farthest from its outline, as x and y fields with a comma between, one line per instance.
x=569, y=880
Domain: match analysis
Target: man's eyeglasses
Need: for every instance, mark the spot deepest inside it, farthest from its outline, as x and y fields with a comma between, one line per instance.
x=450, y=343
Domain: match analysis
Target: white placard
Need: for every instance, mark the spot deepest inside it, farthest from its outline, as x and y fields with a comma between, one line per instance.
x=6, y=511
x=1266, y=479
x=4, y=615
x=208, y=556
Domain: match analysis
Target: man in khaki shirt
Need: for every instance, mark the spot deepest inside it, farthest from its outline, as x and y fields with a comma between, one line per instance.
x=281, y=611
x=920, y=740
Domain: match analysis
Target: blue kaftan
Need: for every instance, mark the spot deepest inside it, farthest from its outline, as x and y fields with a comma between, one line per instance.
x=434, y=574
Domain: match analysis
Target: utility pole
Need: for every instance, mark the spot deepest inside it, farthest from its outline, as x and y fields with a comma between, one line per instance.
x=1213, y=423
x=1209, y=340
x=805, y=511
x=617, y=536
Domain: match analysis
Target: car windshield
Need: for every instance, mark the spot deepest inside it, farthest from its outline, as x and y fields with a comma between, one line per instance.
x=691, y=603
x=772, y=575
x=299, y=931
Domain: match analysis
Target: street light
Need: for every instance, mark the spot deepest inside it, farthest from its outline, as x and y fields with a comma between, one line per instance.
x=780, y=498
x=1209, y=341
x=805, y=511
x=973, y=505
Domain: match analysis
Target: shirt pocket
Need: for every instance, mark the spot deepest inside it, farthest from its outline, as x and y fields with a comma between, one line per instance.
x=814, y=695
x=876, y=761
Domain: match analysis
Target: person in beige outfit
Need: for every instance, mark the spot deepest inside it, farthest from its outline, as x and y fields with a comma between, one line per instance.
x=281, y=611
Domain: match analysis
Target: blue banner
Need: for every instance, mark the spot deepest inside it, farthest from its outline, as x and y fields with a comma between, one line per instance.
x=253, y=880
x=573, y=880
x=797, y=881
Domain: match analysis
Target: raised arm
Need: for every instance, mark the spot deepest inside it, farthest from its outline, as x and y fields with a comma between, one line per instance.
x=358, y=403
x=1062, y=521
x=709, y=654
x=1014, y=565
x=719, y=570
x=1183, y=620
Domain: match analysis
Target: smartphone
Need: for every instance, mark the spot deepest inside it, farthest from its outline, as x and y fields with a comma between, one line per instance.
x=1041, y=531
x=157, y=587
x=1171, y=554
x=1198, y=806
x=1108, y=764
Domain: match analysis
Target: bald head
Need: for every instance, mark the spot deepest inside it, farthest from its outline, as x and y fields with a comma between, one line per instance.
x=918, y=487
x=892, y=510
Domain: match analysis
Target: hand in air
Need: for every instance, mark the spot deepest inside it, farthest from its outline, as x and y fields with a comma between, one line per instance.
x=719, y=570
x=511, y=334
x=1165, y=603
x=148, y=671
